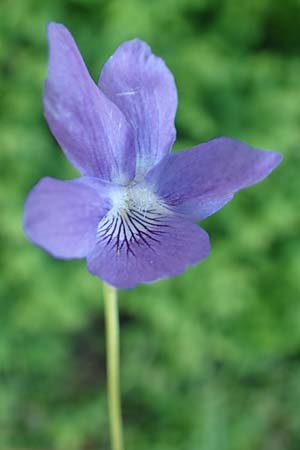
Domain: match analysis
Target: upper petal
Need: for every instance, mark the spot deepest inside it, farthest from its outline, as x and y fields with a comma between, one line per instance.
x=144, y=89
x=62, y=216
x=199, y=181
x=91, y=130
x=142, y=247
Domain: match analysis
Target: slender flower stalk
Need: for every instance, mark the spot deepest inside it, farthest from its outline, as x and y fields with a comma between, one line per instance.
x=113, y=366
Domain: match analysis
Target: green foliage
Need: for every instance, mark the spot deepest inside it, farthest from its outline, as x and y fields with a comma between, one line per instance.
x=210, y=360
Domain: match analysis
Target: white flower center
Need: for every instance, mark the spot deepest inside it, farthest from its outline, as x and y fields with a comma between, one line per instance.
x=137, y=218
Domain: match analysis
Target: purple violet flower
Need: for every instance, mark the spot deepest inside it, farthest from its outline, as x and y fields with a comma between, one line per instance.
x=131, y=212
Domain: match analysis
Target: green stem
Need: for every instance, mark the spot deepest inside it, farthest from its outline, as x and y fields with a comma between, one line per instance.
x=113, y=366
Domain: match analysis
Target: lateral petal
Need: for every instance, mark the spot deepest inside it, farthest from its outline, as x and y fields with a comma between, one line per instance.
x=62, y=216
x=199, y=181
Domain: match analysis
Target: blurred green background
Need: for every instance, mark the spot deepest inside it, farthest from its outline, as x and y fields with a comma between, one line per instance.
x=211, y=359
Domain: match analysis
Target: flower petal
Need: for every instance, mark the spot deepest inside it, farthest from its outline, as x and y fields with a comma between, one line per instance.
x=144, y=89
x=199, y=181
x=151, y=250
x=62, y=216
x=91, y=130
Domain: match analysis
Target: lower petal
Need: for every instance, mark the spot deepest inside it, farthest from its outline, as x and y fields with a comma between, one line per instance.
x=62, y=216
x=146, y=248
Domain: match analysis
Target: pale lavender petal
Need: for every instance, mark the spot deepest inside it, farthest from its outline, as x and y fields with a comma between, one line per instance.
x=144, y=89
x=162, y=248
x=62, y=216
x=199, y=181
x=91, y=130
